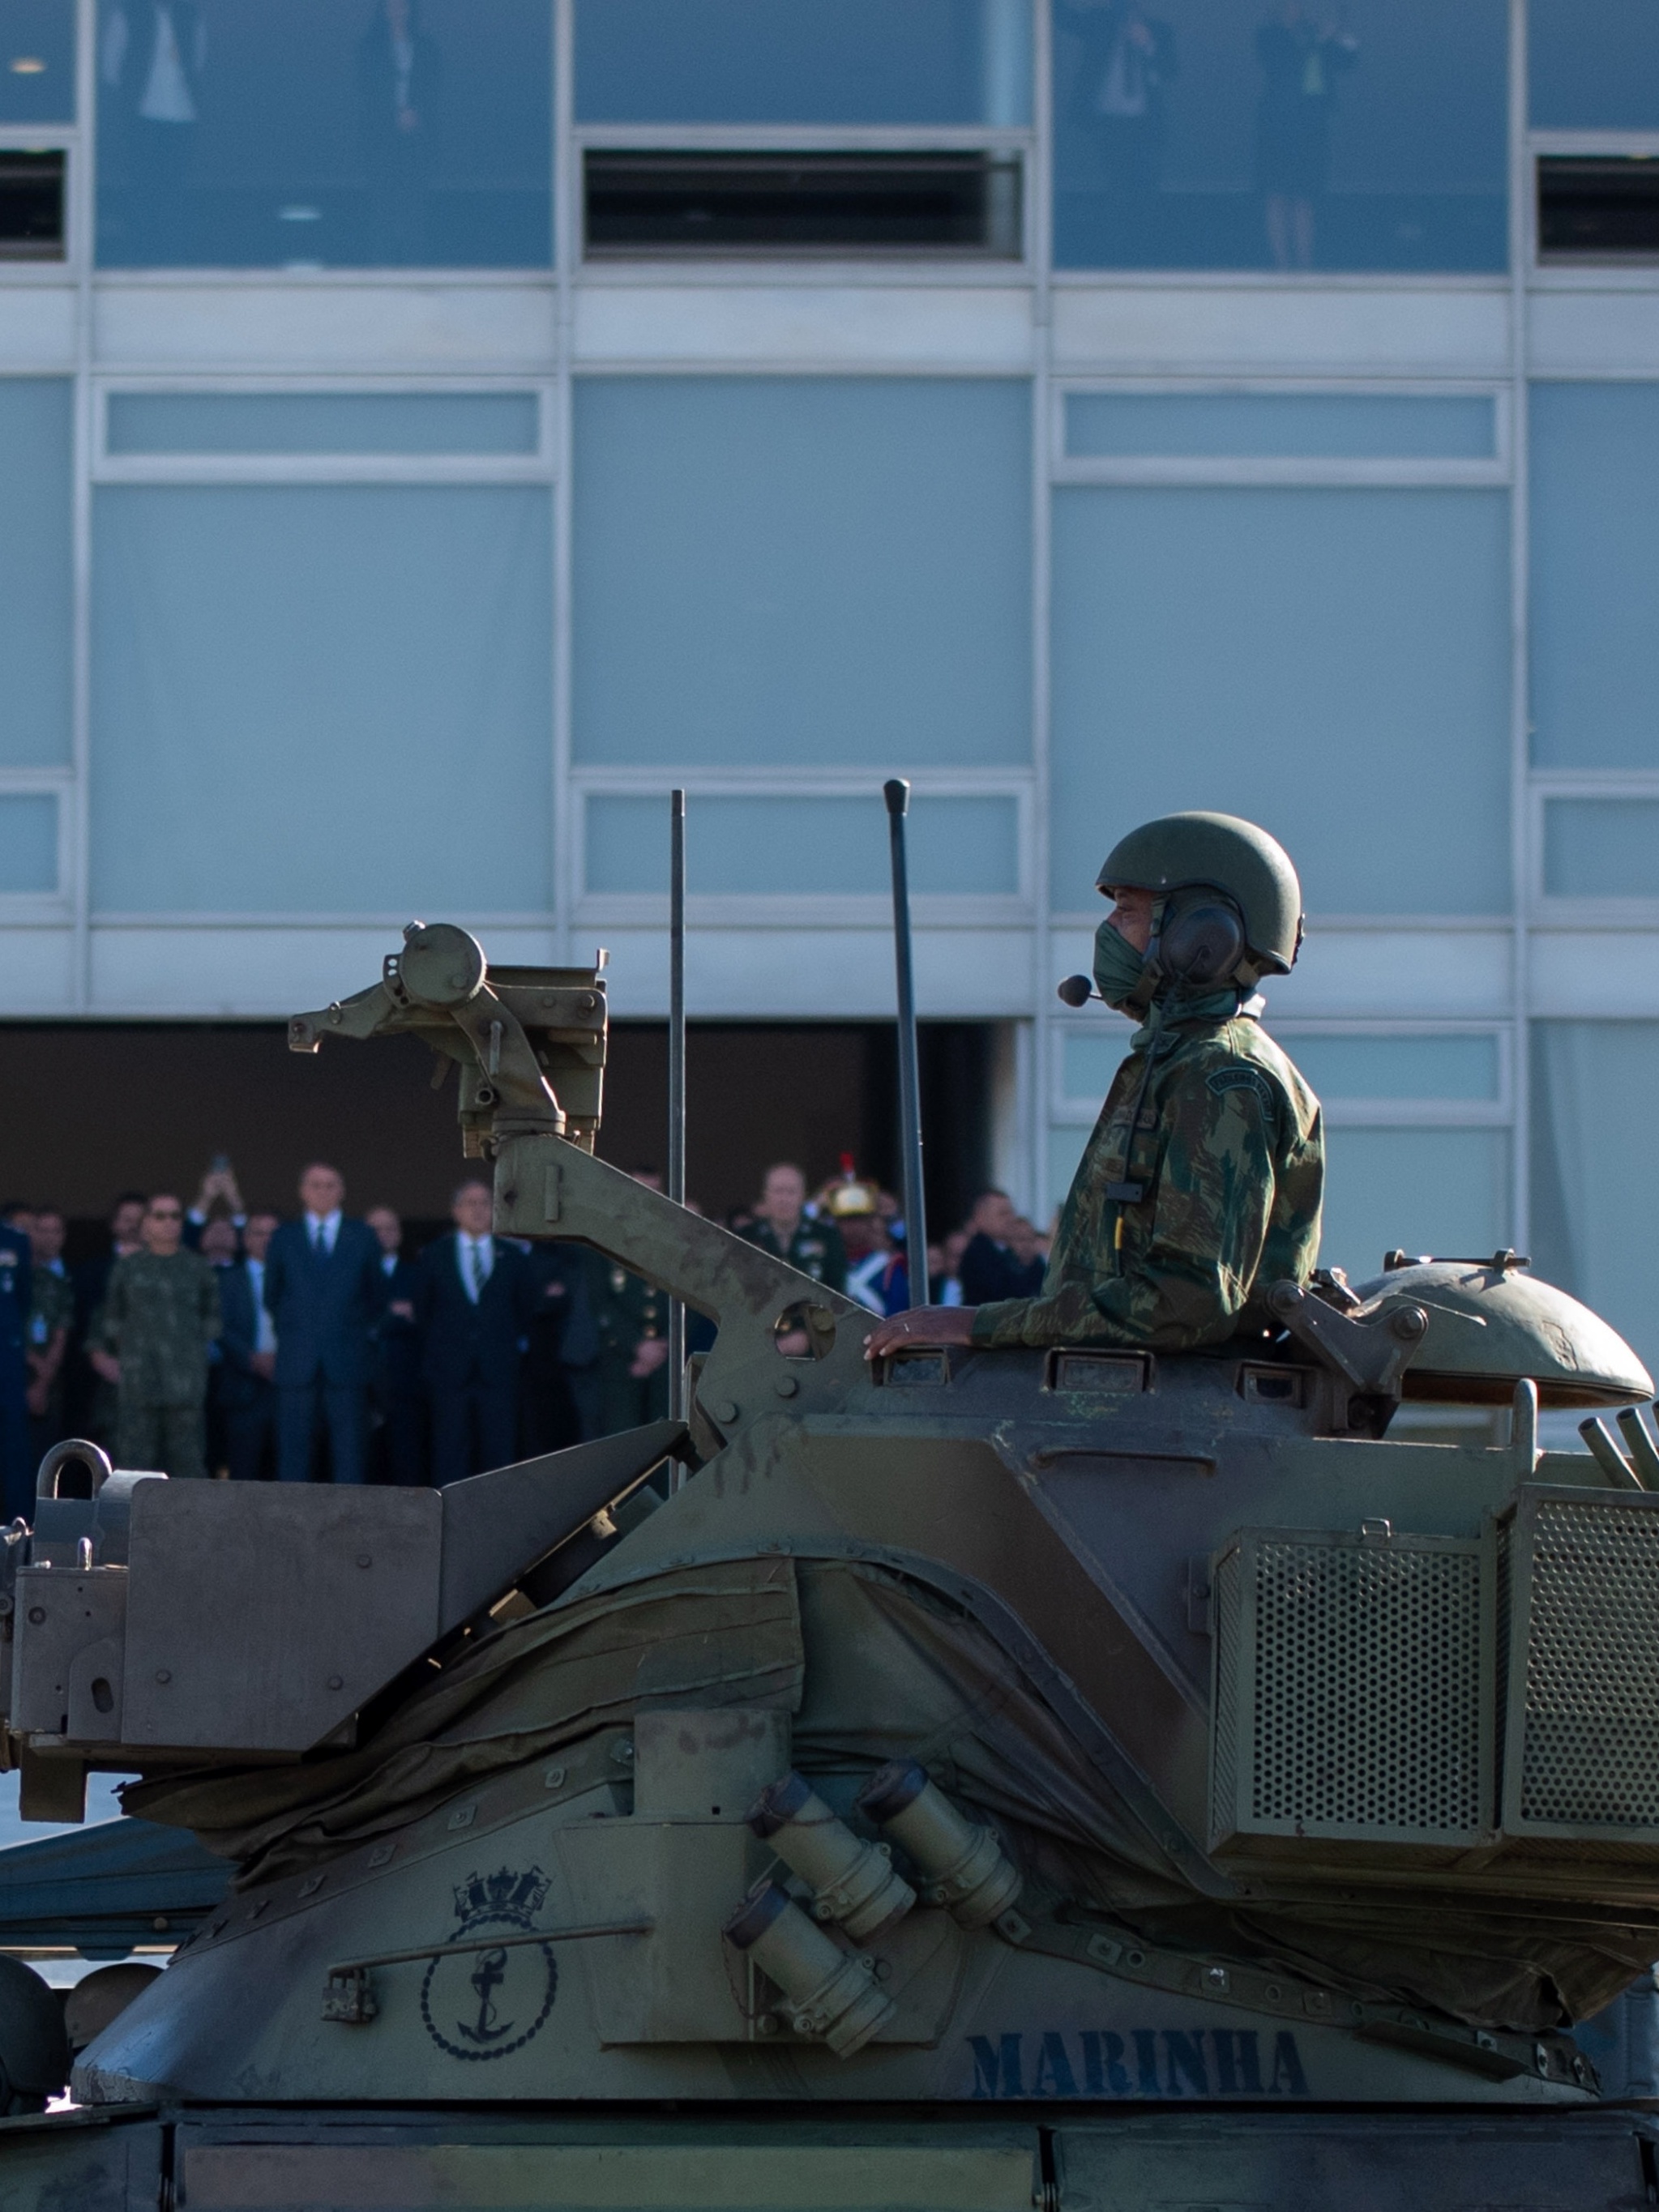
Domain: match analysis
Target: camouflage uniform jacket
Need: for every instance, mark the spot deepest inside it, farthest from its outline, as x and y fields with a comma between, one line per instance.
x=160, y=1313
x=1231, y=1155
x=52, y=1308
x=815, y=1248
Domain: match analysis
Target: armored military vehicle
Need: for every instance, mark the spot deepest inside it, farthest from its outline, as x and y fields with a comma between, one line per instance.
x=1078, y=1779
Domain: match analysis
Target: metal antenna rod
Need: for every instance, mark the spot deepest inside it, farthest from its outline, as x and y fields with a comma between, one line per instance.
x=677, y=1086
x=897, y=792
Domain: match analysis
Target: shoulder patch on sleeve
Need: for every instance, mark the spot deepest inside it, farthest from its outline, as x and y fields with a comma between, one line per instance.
x=1242, y=1077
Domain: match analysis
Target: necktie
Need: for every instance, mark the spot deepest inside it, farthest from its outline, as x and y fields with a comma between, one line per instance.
x=480, y=1273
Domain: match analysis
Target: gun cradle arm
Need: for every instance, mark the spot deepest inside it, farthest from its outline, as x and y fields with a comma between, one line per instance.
x=508, y=1027
x=545, y=1187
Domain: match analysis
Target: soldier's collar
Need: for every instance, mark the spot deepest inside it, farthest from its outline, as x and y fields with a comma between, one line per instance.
x=1214, y=1006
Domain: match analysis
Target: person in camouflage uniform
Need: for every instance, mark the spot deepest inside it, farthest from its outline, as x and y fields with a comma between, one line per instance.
x=782, y=1226
x=161, y=1314
x=1202, y=1182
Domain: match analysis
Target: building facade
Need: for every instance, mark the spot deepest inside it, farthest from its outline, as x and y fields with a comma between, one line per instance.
x=430, y=431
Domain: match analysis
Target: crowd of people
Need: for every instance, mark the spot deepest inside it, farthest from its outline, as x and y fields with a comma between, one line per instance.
x=216, y=1340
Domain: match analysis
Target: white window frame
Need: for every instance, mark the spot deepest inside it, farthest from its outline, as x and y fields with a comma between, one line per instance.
x=807, y=266
x=1609, y=785
x=538, y=467
x=54, y=905
x=1069, y=1110
x=828, y=910
x=1620, y=273
x=64, y=138
x=1262, y=469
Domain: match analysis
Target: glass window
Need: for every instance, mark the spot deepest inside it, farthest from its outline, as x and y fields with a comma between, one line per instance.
x=324, y=133
x=37, y=61
x=1593, y=64
x=1424, y=1190
x=1595, y=504
x=1601, y=849
x=1332, y=663
x=1090, y=1059
x=36, y=575
x=1595, y=1197
x=784, y=847
x=366, y=666
x=1262, y=134
x=1441, y=1191
x=1398, y=1067
x=1278, y=426
x=800, y=568
x=29, y=842
x=804, y=61
x=323, y=423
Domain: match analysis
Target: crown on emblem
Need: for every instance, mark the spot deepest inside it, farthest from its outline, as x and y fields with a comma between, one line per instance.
x=503, y=1892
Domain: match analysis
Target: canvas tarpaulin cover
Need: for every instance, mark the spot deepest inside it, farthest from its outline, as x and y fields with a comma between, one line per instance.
x=873, y=1664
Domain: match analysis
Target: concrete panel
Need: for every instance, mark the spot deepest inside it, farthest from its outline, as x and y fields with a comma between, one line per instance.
x=820, y=325
x=1576, y=332
x=37, y=971
x=1359, y=974
x=36, y=327
x=320, y=327
x=1582, y=974
x=1300, y=329
x=844, y=975
x=236, y=972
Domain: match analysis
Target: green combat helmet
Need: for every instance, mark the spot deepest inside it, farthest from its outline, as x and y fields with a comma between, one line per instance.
x=1182, y=854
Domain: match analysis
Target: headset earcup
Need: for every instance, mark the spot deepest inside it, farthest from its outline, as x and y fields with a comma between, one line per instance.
x=1202, y=944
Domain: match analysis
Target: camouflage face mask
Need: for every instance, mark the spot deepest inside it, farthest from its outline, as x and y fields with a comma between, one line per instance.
x=1120, y=970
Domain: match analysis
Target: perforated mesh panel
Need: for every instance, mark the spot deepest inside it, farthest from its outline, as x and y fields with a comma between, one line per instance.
x=1589, y=1755
x=1225, y=1773
x=1351, y=1674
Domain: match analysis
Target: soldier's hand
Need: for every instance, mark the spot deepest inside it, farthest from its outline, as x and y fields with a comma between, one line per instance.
x=107, y=1365
x=922, y=1325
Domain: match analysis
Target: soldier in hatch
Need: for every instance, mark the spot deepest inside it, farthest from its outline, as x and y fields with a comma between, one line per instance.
x=161, y=1314
x=1201, y=1184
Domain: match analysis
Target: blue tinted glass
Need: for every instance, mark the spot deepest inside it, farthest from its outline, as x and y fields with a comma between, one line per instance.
x=782, y=847
x=1398, y=1067
x=1593, y=64
x=324, y=133
x=323, y=423
x=1601, y=849
x=1261, y=134
x=256, y=646
x=804, y=61
x=1594, y=1198
x=1444, y=1191
x=1237, y=425
x=1332, y=662
x=36, y=571
x=29, y=842
x=37, y=61
x=1089, y=1062
x=786, y=570
x=1595, y=512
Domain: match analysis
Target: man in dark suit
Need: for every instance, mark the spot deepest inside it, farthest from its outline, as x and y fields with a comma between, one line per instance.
x=477, y=1297
x=323, y=1289
x=990, y=1269
x=247, y=1354
x=396, y=1386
